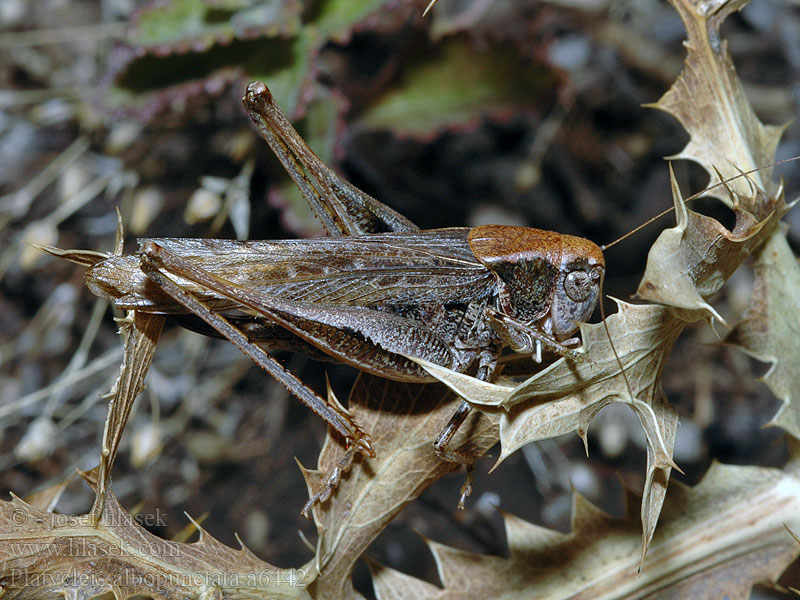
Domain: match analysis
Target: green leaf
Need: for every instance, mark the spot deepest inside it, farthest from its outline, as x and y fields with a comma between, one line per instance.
x=202, y=23
x=180, y=52
x=336, y=18
x=456, y=85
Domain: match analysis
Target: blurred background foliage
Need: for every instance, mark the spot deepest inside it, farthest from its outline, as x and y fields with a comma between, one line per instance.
x=501, y=111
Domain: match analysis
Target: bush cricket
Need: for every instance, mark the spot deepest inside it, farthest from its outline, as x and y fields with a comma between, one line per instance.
x=374, y=292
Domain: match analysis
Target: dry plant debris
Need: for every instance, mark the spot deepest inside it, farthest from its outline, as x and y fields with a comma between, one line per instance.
x=717, y=538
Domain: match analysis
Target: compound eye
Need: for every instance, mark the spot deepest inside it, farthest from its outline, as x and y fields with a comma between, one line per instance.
x=578, y=285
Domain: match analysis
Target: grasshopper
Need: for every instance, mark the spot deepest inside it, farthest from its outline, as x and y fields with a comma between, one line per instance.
x=375, y=292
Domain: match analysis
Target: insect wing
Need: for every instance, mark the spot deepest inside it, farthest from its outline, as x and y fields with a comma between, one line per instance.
x=383, y=270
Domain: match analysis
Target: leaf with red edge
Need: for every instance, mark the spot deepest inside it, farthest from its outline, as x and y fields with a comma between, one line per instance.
x=455, y=85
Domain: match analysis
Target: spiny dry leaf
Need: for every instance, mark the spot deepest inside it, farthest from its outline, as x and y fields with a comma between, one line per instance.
x=714, y=540
x=770, y=329
x=403, y=421
x=688, y=263
x=140, y=332
x=692, y=260
x=727, y=137
x=709, y=101
x=567, y=395
x=45, y=555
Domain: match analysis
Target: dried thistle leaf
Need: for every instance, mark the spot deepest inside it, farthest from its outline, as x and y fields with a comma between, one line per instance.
x=709, y=101
x=770, y=328
x=566, y=396
x=714, y=540
x=403, y=421
x=140, y=332
x=725, y=134
x=692, y=260
x=45, y=555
